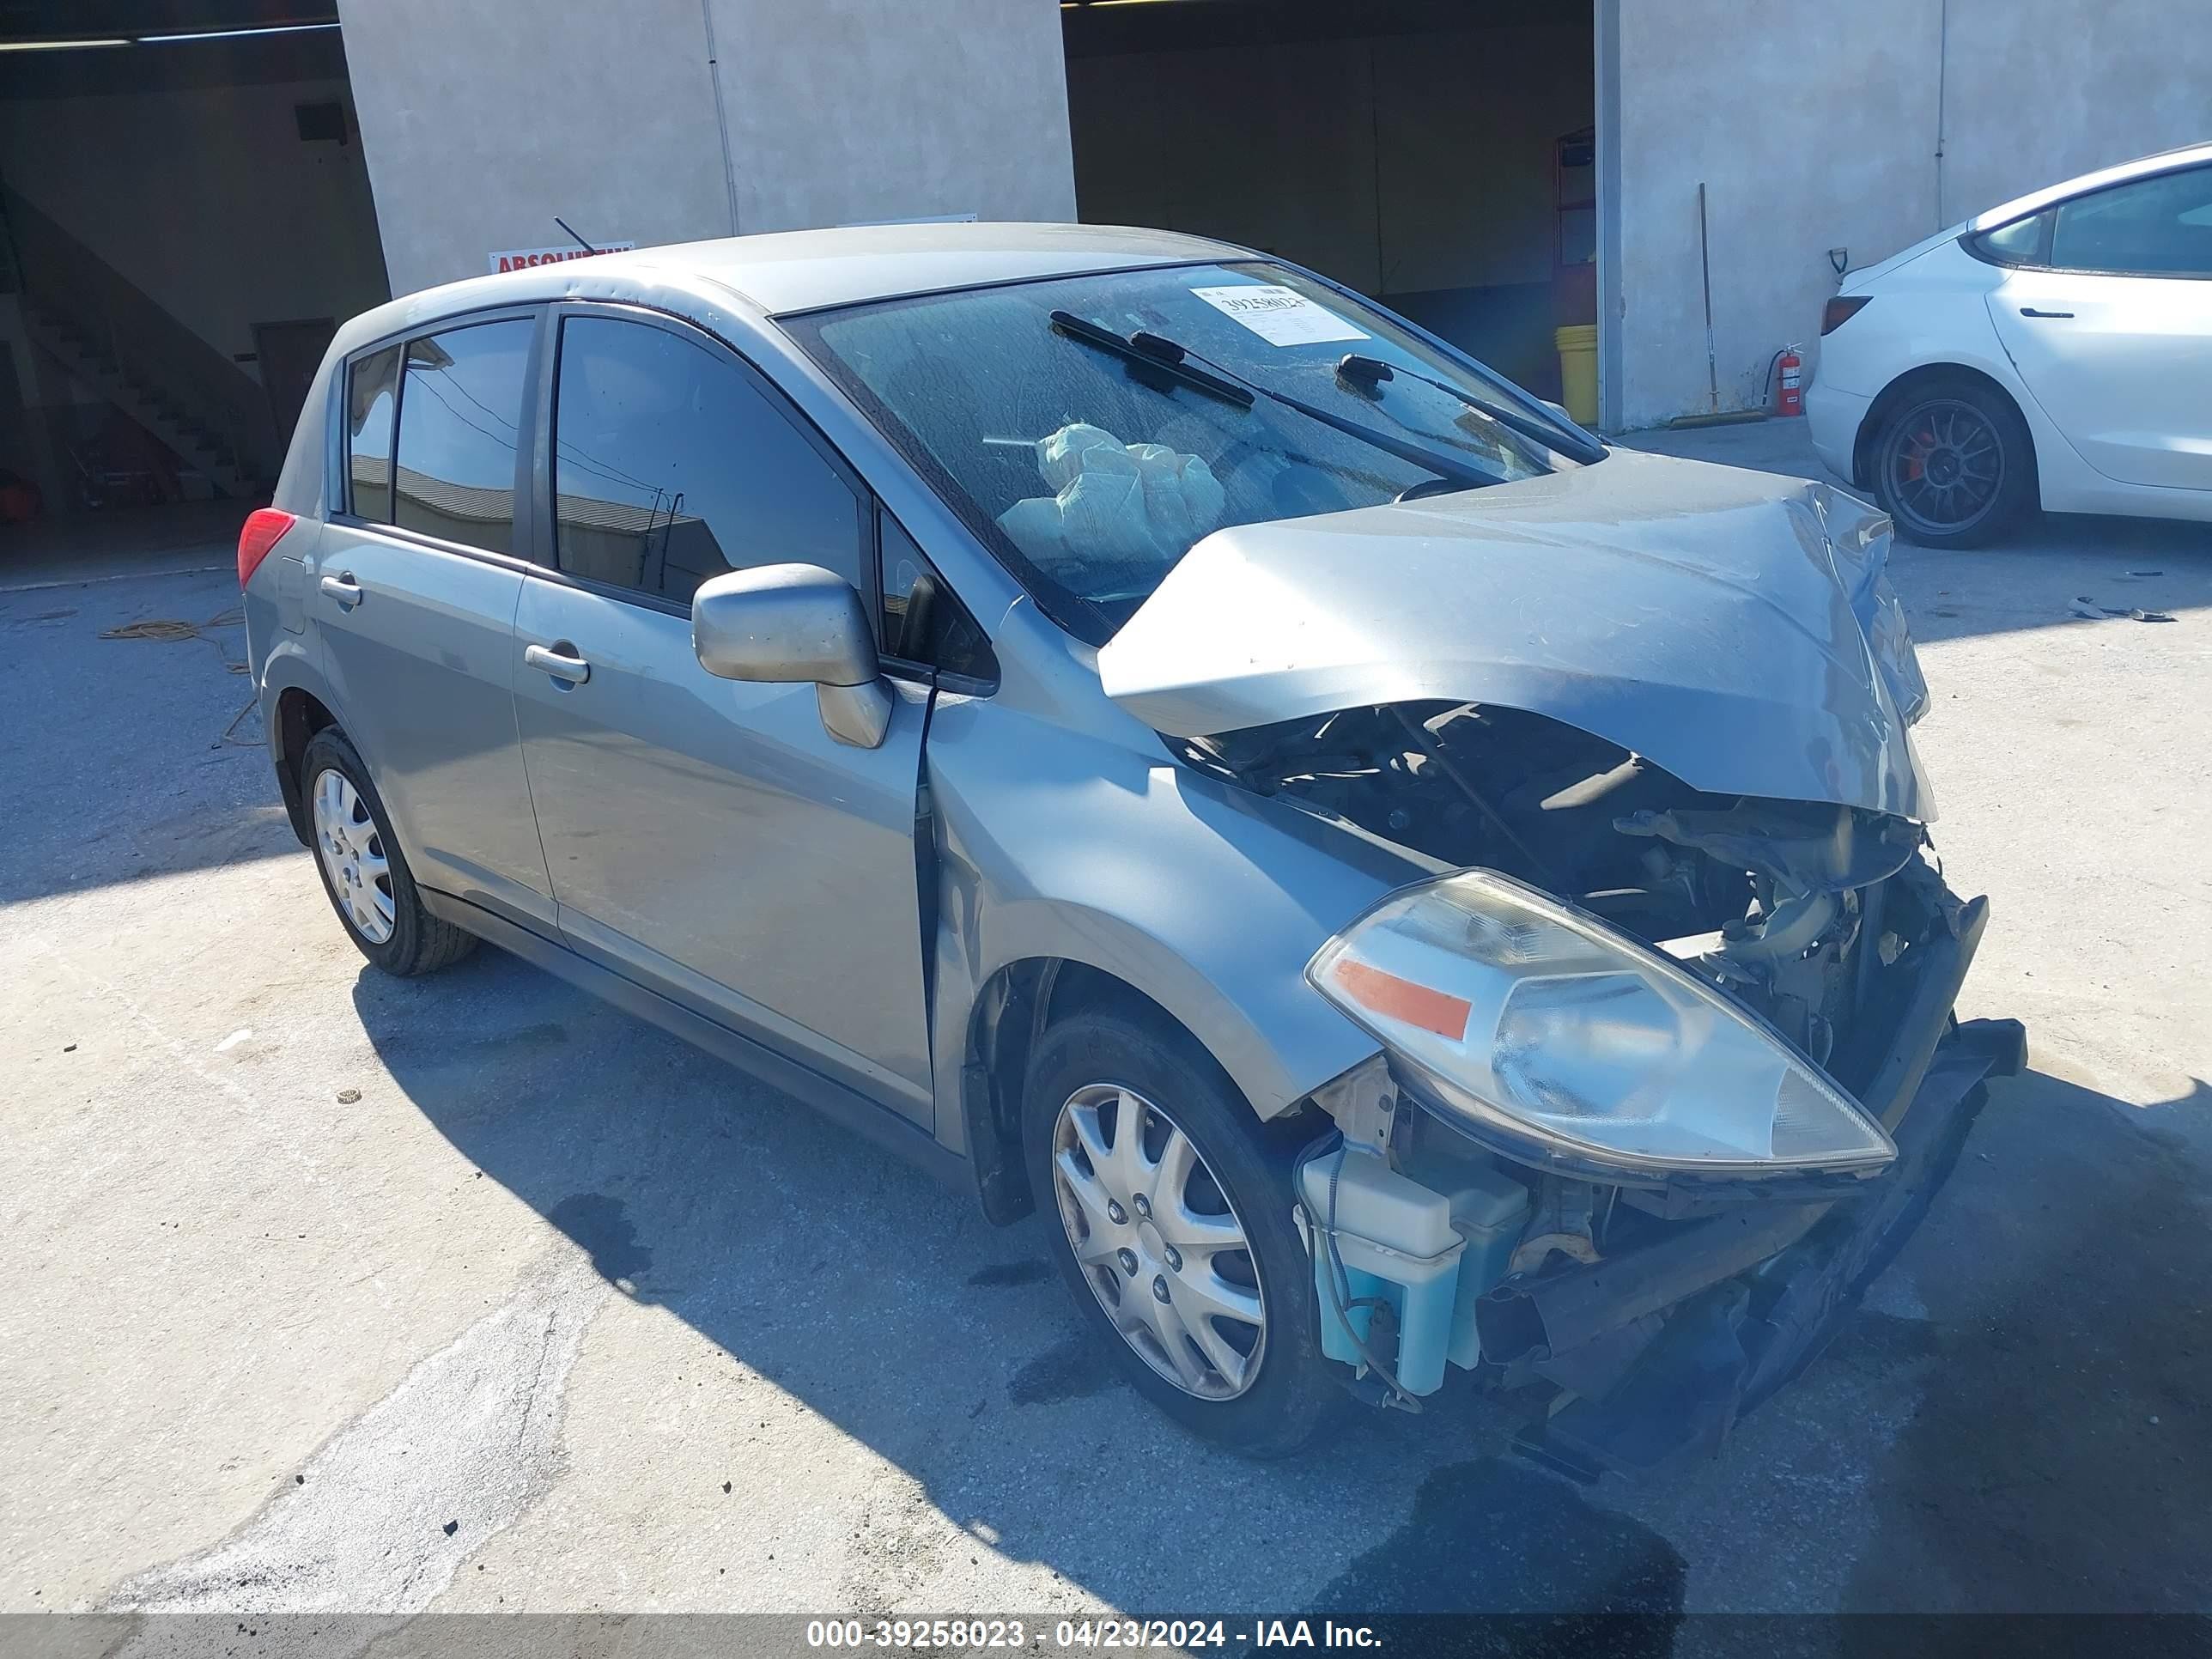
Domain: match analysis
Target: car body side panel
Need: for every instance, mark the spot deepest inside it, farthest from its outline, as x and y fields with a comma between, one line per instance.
x=2120, y=364
x=1070, y=833
x=1931, y=307
x=1932, y=311
x=290, y=662
x=270, y=628
x=275, y=602
x=423, y=665
x=1832, y=420
x=711, y=832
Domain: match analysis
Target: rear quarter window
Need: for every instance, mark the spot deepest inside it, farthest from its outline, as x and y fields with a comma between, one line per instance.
x=2022, y=242
x=371, y=401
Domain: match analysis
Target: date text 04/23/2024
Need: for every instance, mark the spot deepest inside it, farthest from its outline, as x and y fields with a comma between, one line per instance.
x=1198, y=1634
x=1193, y=1635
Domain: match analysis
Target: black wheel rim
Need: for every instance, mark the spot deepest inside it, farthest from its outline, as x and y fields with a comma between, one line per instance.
x=1945, y=466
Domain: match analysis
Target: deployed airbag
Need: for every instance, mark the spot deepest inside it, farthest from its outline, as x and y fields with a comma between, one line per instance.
x=1141, y=504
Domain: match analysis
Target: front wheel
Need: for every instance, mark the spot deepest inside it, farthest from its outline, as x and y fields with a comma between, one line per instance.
x=1173, y=1216
x=1954, y=466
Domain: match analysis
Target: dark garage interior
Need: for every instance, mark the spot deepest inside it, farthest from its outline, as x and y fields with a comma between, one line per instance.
x=1435, y=153
x=187, y=217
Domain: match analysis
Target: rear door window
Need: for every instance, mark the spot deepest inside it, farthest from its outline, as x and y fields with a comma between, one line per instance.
x=2159, y=226
x=671, y=464
x=371, y=399
x=460, y=404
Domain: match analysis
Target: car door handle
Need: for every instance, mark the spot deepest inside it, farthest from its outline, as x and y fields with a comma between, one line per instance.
x=344, y=588
x=2030, y=311
x=558, y=661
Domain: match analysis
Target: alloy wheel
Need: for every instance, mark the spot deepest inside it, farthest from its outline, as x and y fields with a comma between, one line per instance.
x=352, y=851
x=1159, y=1243
x=1946, y=465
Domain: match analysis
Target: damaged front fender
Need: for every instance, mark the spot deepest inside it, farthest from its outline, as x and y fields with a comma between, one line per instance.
x=1755, y=1293
x=1730, y=1345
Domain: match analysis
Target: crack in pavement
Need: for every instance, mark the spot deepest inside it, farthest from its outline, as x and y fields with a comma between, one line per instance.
x=385, y=1512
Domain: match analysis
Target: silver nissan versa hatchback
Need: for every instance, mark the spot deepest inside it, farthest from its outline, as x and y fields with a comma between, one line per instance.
x=1158, y=740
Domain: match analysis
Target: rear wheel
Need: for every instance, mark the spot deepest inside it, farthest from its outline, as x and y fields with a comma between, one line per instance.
x=363, y=870
x=1953, y=465
x=1173, y=1223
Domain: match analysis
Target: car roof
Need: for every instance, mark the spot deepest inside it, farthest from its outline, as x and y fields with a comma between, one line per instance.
x=2145, y=166
x=802, y=269
x=792, y=270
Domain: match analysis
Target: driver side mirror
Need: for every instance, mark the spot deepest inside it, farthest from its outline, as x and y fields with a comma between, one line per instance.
x=796, y=624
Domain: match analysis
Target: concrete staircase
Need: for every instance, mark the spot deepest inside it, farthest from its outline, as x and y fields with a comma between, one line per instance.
x=196, y=443
x=101, y=326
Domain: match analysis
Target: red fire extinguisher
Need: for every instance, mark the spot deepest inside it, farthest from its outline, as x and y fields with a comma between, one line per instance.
x=1790, y=382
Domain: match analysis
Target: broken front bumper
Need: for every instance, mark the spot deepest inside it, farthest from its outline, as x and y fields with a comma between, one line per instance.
x=1664, y=1345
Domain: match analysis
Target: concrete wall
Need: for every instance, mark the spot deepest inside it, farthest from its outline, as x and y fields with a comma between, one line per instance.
x=206, y=200
x=483, y=119
x=836, y=111
x=844, y=111
x=1815, y=125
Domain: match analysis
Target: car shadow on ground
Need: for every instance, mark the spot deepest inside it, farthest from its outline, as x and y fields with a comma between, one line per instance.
x=2018, y=1420
x=948, y=1347
x=2060, y=1456
x=2062, y=1275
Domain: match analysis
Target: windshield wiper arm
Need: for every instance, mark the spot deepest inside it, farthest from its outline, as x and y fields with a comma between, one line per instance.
x=1171, y=358
x=1360, y=369
x=1135, y=350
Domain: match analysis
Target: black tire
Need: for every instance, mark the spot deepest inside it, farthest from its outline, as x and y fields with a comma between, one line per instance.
x=420, y=943
x=1285, y=1402
x=1953, y=464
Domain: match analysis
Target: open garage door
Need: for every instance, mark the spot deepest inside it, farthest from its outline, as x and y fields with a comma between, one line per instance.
x=187, y=219
x=1437, y=154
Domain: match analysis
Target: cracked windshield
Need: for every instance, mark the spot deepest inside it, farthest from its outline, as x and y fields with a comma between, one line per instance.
x=1094, y=429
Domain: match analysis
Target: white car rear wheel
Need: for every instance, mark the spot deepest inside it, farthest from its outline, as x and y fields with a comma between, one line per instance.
x=1952, y=465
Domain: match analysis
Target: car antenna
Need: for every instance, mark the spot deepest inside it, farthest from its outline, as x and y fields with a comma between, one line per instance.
x=571, y=230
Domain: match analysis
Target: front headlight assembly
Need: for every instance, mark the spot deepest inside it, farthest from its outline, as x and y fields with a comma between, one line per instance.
x=1565, y=1044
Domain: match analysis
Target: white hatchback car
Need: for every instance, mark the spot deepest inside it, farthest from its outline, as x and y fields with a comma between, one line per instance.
x=2056, y=351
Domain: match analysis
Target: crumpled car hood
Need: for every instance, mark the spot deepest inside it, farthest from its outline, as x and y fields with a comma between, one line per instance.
x=1735, y=628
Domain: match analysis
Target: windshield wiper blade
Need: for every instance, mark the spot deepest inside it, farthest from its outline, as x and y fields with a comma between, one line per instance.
x=1360, y=369
x=1172, y=357
x=1135, y=351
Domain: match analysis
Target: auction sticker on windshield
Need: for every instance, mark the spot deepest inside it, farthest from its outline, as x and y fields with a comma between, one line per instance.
x=1279, y=315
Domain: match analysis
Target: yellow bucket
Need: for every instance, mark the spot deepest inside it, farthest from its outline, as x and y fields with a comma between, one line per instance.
x=1578, y=370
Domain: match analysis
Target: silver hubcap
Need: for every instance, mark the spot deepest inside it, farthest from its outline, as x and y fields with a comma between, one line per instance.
x=352, y=854
x=1159, y=1242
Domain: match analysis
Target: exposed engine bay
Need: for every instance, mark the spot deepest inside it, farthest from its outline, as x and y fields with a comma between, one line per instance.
x=1433, y=1241
x=1780, y=901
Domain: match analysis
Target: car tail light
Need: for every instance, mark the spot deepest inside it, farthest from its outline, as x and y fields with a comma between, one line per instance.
x=1841, y=309
x=264, y=528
